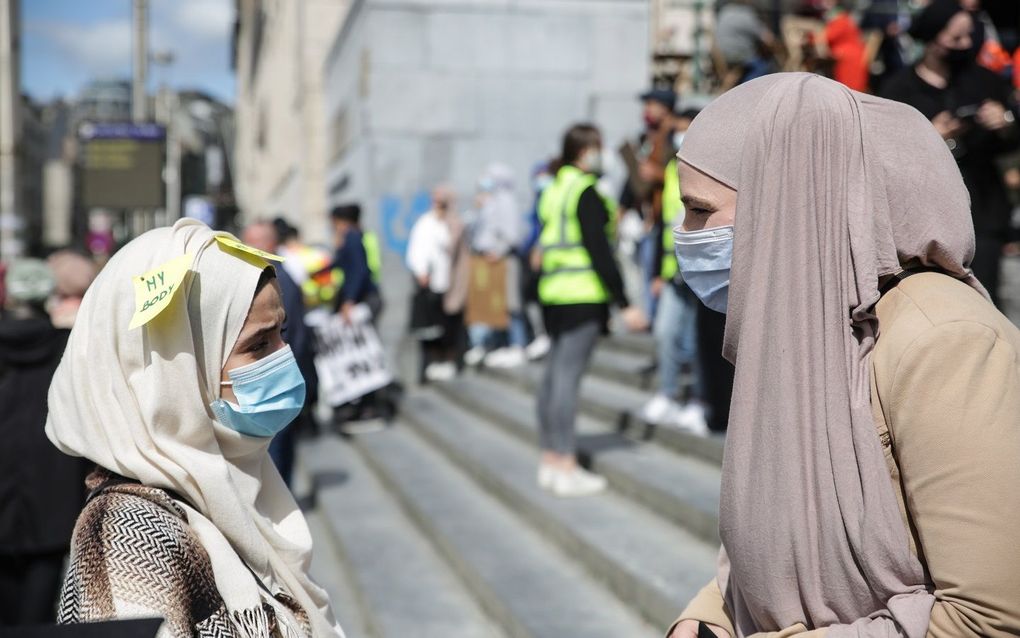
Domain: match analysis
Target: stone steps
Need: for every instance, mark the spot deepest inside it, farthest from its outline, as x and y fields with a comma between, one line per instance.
x=436, y=526
x=618, y=406
x=682, y=488
x=527, y=586
x=401, y=585
x=642, y=557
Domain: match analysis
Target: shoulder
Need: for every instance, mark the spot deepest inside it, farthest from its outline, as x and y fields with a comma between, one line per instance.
x=134, y=519
x=133, y=548
x=900, y=85
x=939, y=319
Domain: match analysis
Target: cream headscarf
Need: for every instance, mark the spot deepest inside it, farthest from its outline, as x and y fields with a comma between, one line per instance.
x=834, y=190
x=136, y=402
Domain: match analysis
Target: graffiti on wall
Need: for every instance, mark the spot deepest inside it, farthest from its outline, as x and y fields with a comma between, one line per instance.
x=398, y=216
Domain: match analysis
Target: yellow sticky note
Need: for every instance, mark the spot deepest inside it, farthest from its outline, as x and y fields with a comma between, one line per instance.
x=230, y=242
x=155, y=289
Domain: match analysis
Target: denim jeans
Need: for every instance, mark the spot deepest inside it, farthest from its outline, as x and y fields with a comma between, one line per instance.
x=676, y=338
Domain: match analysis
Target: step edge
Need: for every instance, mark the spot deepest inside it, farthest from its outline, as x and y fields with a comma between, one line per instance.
x=498, y=612
x=650, y=604
x=679, y=511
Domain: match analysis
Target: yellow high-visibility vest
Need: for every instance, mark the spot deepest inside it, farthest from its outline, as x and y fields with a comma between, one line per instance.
x=672, y=215
x=567, y=273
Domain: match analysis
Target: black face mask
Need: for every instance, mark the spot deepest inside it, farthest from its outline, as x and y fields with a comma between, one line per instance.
x=959, y=59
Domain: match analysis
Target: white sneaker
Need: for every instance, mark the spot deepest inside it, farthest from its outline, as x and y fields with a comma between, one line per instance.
x=506, y=358
x=577, y=482
x=659, y=409
x=538, y=348
x=474, y=356
x=441, y=371
x=547, y=476
x=691, y=419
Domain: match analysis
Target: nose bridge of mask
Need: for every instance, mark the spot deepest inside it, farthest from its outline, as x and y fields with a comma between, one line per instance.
x=705, y=235
x=261, y=368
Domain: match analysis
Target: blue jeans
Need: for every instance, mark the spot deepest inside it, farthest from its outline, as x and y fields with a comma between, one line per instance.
x=646, y=253
x=483, y=336
x=518, y=332
x=676, y=338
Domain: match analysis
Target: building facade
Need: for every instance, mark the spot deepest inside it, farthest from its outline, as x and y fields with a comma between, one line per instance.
x=422, y=92
x=280, y=153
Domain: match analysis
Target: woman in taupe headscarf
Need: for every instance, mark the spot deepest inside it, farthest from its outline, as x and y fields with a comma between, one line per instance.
x=871, y=483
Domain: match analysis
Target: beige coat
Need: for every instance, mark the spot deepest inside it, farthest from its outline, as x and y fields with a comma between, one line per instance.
x=945, y=389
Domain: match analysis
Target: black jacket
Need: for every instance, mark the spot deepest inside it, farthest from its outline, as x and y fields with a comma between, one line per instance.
x=41, y=489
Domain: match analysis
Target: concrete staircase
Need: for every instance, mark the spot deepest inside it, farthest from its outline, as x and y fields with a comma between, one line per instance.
x=436, y=527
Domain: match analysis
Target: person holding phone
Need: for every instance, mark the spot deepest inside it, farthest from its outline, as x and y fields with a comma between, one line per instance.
x=973, y=110
x=870, y=485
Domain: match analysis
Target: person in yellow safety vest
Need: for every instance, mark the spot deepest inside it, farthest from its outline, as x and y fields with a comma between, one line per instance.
x=676, y=318
x=355, y=259
x=306, y=266
x=579, y=280
x=319, y=288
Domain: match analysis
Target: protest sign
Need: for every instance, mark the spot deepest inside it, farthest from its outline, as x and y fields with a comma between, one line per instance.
x=349, y=357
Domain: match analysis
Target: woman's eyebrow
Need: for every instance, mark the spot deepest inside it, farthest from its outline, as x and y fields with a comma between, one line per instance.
x=696, y=202
x=255, y=336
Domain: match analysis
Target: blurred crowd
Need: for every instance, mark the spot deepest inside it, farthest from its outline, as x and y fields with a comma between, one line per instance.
x=500, y=282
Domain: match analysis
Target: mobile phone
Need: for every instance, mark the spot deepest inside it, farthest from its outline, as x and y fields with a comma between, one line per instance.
x=966, y=112
x=704, y=631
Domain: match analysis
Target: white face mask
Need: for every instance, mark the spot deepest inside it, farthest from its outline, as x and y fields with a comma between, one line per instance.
x=592, y=160
x=704, y=257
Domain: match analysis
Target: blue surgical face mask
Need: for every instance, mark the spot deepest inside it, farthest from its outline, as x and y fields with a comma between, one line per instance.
x=270, y=394
x=704, y=257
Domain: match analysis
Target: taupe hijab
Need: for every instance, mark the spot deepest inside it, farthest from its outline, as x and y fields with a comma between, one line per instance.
x=834, y=190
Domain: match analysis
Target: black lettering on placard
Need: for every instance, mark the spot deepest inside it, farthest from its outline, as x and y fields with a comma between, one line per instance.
x=358, y=338
x=357, y=368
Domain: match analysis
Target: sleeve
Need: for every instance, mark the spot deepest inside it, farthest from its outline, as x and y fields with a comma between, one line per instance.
x=593, y=217
x=417, y=258
x=707, y=606
x=354, y=262
x=1002, y=92
x=658, y=250
x=955, y=422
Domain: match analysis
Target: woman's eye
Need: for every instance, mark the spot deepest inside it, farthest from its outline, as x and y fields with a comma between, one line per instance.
x=260, y=346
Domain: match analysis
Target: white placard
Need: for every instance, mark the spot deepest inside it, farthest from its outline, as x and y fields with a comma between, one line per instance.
x=349, y=358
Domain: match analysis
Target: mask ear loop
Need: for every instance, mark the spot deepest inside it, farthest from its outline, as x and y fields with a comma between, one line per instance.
x=223, y=383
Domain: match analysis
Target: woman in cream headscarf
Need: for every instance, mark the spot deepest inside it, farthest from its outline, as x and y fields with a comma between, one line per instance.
x=870, y=483
x=187, y=516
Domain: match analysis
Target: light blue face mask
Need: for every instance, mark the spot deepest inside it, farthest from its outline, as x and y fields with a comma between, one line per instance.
x=270, y=394
x=704, y=257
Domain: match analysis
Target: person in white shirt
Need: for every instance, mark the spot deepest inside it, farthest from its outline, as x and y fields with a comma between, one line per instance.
x=435, y=249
